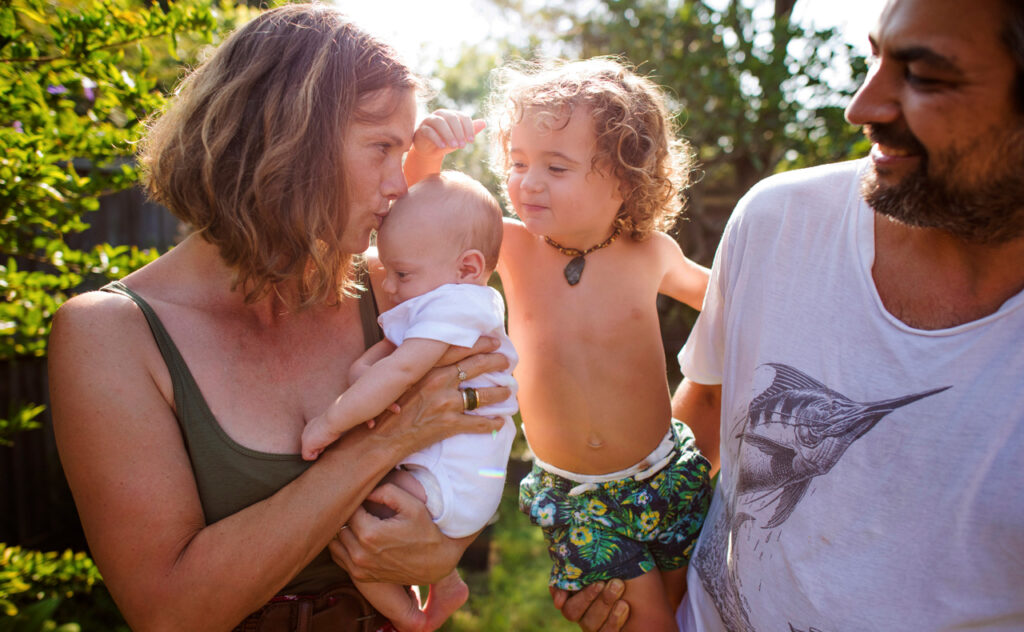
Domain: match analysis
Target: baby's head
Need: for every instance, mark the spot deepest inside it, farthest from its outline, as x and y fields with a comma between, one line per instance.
x=635, y=136
x=447, y=229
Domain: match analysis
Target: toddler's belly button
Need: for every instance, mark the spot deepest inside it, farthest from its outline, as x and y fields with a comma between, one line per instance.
x=594, y=441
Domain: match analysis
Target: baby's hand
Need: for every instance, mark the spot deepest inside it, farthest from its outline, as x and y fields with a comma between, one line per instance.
x=444, y=131
x=316, y=436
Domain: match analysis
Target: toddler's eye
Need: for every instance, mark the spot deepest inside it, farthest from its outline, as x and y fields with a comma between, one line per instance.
x=557, y=169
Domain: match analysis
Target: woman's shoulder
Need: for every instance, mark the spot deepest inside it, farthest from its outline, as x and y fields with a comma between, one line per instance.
x=100, y=344
x=102, y=332
x=93, y=313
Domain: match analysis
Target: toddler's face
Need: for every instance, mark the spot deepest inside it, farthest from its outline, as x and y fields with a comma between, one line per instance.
x=416, y=256
x=552, y=184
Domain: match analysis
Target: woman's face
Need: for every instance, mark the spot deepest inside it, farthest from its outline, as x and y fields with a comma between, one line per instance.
x=373, y=163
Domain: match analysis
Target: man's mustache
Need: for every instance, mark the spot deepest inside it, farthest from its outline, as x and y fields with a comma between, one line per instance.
x=896, y=137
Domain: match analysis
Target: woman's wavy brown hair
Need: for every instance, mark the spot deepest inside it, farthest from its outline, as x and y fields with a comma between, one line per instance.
x=249, y=152
x=636, y=136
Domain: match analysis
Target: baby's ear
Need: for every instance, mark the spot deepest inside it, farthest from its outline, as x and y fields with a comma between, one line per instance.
x=472, y=266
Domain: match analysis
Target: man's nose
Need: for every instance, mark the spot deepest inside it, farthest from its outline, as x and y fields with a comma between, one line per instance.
x=877, y=100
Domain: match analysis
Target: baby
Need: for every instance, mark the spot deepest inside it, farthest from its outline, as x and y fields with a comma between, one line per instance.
x=438, y=245
x=593, y=170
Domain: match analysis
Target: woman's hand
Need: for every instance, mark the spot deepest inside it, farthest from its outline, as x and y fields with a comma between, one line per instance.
x=406, y=548
x=439, y=134
x=433, y=408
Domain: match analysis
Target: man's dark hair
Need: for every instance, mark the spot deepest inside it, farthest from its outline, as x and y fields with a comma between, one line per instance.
x=1013, y=36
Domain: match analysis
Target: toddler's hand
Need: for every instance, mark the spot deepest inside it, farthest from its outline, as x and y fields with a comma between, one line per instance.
x=444, y=131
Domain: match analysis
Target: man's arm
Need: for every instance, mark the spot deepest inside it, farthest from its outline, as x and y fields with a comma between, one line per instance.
x=699, y=406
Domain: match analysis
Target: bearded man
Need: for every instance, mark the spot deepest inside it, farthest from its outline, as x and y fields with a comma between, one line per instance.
x=857, y=366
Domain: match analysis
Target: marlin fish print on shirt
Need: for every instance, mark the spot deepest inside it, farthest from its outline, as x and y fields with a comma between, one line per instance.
x=796, y=430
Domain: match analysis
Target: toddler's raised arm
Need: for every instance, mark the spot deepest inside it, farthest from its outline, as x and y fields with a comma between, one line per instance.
x=438, y=135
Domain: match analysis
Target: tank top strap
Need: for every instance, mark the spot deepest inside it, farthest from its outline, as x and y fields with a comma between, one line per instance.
x=181, y=377
x=368, y=312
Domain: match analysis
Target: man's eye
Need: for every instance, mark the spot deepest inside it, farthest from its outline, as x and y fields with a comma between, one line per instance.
x=921, y=81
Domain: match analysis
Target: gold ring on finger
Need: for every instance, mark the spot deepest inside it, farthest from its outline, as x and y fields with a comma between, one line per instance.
x=470, y=401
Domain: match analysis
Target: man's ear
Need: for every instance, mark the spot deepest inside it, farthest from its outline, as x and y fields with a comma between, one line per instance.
x=472, y=266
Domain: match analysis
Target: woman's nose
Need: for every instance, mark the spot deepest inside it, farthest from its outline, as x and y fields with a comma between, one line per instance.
x=393, y=186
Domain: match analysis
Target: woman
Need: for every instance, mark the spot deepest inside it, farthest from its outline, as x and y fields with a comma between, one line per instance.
x=179, y=396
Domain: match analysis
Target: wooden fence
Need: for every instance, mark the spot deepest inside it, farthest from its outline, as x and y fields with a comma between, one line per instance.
x=36, y=510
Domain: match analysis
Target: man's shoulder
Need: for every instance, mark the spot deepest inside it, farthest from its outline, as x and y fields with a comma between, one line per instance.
x=813, y=191
x=811, y=180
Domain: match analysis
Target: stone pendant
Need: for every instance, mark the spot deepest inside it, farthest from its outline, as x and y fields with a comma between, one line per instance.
x=574, y=270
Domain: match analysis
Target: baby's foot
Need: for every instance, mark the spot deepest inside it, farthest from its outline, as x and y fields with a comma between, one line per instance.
x=444, y=599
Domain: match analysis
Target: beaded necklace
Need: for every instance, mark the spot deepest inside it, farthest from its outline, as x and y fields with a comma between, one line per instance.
x=574, y=269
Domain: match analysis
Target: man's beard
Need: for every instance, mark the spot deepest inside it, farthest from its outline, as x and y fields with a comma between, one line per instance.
x=988, y=210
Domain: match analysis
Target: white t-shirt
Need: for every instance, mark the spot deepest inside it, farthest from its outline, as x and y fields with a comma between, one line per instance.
x=872, y=473
x=463, y=475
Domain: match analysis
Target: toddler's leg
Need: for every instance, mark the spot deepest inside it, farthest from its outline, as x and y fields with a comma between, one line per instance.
x=649, y=607
x=675, y=585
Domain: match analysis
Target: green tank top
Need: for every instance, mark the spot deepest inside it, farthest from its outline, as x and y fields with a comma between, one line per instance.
x=230, y=476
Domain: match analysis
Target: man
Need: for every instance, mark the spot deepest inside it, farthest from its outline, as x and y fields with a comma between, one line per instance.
x=859, y=355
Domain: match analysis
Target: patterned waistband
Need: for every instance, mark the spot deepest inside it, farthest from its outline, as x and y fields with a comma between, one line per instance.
x=647, y=467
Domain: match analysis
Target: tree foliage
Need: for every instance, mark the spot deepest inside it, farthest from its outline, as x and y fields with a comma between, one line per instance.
x=78, y=81
x=755, y=92
x=38, y=590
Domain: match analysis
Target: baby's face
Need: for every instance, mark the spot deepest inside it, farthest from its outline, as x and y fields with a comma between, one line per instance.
x=416, y=256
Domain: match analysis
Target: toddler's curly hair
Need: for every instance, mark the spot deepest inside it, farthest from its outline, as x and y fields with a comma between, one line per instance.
x=636, y=136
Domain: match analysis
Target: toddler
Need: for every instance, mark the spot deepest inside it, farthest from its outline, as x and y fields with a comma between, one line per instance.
x=438, y=246
x=593, y=171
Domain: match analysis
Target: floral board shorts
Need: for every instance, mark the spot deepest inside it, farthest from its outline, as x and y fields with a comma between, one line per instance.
x=621, y=528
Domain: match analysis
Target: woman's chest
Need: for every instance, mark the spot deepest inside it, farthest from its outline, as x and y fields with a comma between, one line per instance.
x=262, y=386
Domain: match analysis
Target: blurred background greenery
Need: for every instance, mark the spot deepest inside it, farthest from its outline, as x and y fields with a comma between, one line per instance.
x=755, y=93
